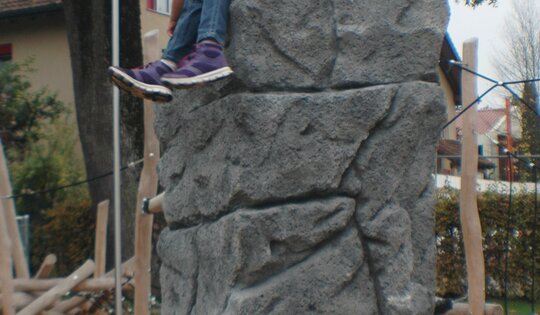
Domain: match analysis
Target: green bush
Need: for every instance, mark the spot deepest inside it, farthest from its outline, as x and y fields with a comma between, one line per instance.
x=494, y=214
x=40, y=142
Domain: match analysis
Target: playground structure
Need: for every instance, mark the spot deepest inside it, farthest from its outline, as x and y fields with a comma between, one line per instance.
x=374, y=242
x=89, y=285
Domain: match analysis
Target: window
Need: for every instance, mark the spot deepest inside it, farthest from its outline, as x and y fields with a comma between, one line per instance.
x=160, y=6
x=5, y=52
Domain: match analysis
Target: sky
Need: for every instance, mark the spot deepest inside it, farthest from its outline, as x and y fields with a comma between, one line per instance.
x=487, y=24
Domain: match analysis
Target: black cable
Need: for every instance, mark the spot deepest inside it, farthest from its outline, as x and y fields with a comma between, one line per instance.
x=522, y=81
x=520, y=99
x=459, y=65
x=469, y=106
x=88, y=180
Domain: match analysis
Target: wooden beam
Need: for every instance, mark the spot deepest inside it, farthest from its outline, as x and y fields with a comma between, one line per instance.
x=19, y=299
x=88, y=285
x=46, y=267
x=6, y=263
x=21, y=265
x=101, y=238
x=56, y=292
x=154, y=204
x=127, y=269
x=147, y=188
x=470, y=220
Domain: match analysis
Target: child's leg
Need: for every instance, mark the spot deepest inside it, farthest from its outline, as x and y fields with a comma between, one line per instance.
x=214, y=16
x=185, y=33
x=208, y=62
x=146, y=81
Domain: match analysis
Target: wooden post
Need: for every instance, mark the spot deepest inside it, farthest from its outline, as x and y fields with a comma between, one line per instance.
x=20, y=299
x=470, y=220
x=46, y=267
x=6, y=275
x=155, y=204
x=88, y=285
x=21, y=266
x=55, y=293
x=147, y=189
x=101, y=238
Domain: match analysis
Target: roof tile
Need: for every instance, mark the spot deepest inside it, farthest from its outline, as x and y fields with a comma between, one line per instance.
x=14, y=5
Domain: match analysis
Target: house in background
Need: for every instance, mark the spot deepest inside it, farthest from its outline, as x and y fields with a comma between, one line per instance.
x=491, y=129
x=449, y=146
x=35, y=29
x=155, y=15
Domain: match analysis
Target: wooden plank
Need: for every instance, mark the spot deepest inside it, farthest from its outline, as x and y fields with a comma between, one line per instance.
x=88, y=285
x=21, y=265
x=6, y=275
x=19, y=299
x=101, y=238
x=46, y=267
x=147, y=189
x=56, y=292
x=127, y=268
x=154, y=205
x=470, y=220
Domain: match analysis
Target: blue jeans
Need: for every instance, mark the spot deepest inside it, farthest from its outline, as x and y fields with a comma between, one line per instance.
x=200, y=19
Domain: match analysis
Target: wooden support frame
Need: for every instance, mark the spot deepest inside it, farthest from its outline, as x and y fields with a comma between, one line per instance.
x=470, y=219
x=147, y=188
x=21, y=265
x=46, y=267
x=56, y=292
x=6, y=275
x=100, y=250
x=154, y=205
x=88, y=285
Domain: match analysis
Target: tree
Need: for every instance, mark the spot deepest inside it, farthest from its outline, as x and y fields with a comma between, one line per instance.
x=23, y=113
x=520, y=60
x=89, y=36
x=40, y=145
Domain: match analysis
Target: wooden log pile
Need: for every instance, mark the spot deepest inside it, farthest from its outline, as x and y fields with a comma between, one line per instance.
x=89, y=286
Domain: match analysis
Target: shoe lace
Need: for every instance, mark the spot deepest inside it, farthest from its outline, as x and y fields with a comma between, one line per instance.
x=188, y=57
x=145, y=66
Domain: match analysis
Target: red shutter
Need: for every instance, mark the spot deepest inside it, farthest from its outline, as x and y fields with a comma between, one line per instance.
x=5, y=49
x=6, y=52
x=151, y=4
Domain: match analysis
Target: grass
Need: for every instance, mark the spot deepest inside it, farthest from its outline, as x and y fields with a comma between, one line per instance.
x=518, y=307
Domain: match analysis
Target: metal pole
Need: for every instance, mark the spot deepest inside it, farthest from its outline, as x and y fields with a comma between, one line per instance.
x=116, y=139
x=533, y=289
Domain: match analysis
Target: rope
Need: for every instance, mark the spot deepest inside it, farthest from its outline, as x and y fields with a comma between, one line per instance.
x=496, y=84
x=88, y=180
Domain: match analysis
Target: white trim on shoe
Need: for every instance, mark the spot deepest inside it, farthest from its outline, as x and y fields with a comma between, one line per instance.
x=201, y=78
x=151, y=88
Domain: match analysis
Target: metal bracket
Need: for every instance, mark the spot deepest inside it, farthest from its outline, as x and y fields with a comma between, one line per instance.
x=146, y=206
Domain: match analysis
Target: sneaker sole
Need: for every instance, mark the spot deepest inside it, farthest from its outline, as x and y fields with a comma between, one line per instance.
x=202, y=78
x=136, y=88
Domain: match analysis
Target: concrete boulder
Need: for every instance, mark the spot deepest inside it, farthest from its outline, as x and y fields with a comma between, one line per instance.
x=302, y=185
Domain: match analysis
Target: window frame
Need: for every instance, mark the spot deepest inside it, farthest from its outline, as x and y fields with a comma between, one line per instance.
x=159, y=6
x=6, y=52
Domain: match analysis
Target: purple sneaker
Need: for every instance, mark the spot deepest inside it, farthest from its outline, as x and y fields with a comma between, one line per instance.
x=207, y=63
x=144, y=81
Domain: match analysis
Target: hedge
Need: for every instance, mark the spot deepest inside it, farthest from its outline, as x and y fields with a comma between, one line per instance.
x=494, y=214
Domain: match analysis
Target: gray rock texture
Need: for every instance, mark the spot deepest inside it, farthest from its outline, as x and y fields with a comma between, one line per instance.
x=302, y=185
